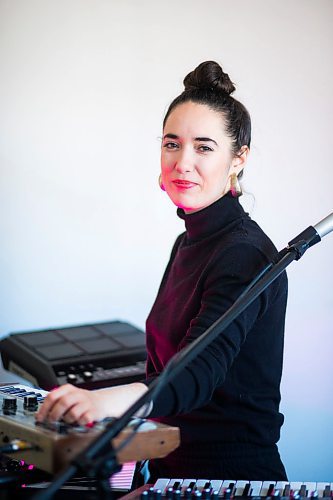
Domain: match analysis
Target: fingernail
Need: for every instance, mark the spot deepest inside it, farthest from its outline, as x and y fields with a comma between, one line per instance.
x=90, y=424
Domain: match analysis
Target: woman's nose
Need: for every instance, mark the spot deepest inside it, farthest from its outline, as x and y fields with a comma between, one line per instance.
x=184, y=162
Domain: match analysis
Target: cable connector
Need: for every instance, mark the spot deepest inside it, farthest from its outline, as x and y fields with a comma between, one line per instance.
x=17, y=445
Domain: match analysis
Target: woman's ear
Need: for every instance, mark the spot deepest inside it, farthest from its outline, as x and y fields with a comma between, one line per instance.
x=239, y=160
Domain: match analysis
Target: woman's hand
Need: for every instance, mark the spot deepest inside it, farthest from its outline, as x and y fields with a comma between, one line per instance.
x=81, y=406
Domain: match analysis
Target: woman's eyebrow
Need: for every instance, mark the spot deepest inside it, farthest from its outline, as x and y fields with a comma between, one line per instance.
x=197, y=139
x=205, y=139
x=170, y=136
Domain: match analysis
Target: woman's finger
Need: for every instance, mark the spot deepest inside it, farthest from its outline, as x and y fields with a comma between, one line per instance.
x=52, y=399
x=66, y=406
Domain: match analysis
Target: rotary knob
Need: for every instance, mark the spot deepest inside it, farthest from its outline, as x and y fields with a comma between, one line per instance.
x=30, y=402
x=71, y=378
x=9, y=404
x=87, y=375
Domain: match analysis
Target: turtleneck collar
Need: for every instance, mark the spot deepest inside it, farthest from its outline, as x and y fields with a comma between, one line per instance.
x=213, y=218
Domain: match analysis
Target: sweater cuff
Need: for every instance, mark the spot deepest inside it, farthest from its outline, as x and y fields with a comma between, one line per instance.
x=163, y=403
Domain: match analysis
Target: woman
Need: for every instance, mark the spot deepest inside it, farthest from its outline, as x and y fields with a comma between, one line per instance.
x=226, y=402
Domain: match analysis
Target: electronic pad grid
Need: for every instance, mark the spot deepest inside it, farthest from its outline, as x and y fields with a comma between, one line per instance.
x=89, y=356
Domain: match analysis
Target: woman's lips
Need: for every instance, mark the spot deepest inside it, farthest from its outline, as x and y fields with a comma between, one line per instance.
x=184, y=184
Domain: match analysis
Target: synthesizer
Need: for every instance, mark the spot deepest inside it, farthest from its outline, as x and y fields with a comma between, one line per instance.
x=216, y=489
x=90, y=356
x=51, y=446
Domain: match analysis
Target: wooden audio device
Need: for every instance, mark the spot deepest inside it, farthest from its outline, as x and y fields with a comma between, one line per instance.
x=51, y=447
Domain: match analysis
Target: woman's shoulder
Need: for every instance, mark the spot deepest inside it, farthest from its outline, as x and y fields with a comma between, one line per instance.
x=247, y=235
x=245, y=249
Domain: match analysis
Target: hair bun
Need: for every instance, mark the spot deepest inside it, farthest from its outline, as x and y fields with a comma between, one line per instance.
x=209, y=75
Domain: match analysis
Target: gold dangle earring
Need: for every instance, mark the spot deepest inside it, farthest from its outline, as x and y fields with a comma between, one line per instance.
x=235, y=188
x=160, y=183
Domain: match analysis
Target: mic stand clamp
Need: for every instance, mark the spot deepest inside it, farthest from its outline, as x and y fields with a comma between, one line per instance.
x=303, y=241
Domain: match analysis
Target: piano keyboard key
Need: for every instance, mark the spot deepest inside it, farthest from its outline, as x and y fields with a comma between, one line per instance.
x=228, y=484
x=187, y=483
x=216, y=484
x=229, y=488
x=201, y=484
x=255, y=488
x=324, y=489
x=310, y=488
x=161, y=484
x=240, y=487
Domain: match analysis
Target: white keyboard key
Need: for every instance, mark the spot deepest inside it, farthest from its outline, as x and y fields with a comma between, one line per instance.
x=201, y=483
x=216, y=484
x=255, y=488
x=266, y=486
x=280, y=486
x=161, y=484
x=295, y=486
x=240, y=486
x=322, y=486
x=186, y=484
x=310, y=488
x=226, y=485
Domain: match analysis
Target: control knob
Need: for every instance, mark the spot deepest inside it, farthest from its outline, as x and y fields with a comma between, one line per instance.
x=87, y=375
x=9, y=404
x=30, y=402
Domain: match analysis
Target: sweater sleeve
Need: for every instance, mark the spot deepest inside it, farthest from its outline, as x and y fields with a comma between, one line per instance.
x=226, y=278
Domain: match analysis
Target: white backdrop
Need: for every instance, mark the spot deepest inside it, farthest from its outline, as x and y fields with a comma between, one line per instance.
x=85, y=230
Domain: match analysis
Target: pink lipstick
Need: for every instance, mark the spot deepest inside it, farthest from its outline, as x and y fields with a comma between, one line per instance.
x=184, y=184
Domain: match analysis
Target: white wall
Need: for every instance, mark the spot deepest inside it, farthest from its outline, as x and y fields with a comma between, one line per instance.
x=86, y=232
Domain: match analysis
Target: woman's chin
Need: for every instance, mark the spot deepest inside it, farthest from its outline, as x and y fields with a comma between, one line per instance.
x=187, y=203
x=189, y=209
x=192, y=205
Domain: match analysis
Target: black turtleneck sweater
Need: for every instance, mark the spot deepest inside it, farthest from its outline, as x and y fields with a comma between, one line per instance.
x=229, y=395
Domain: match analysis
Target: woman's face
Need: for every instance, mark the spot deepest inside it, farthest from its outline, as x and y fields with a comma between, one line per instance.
x=196, y=157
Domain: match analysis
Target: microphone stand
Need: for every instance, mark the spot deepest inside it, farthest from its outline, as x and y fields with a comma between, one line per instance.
x=99, y=458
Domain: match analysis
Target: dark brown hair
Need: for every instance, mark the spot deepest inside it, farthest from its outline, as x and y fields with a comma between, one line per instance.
x=208, y=84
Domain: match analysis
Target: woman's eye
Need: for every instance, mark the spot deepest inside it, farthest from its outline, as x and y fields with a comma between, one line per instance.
x=204, y=148
x=170, y=145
